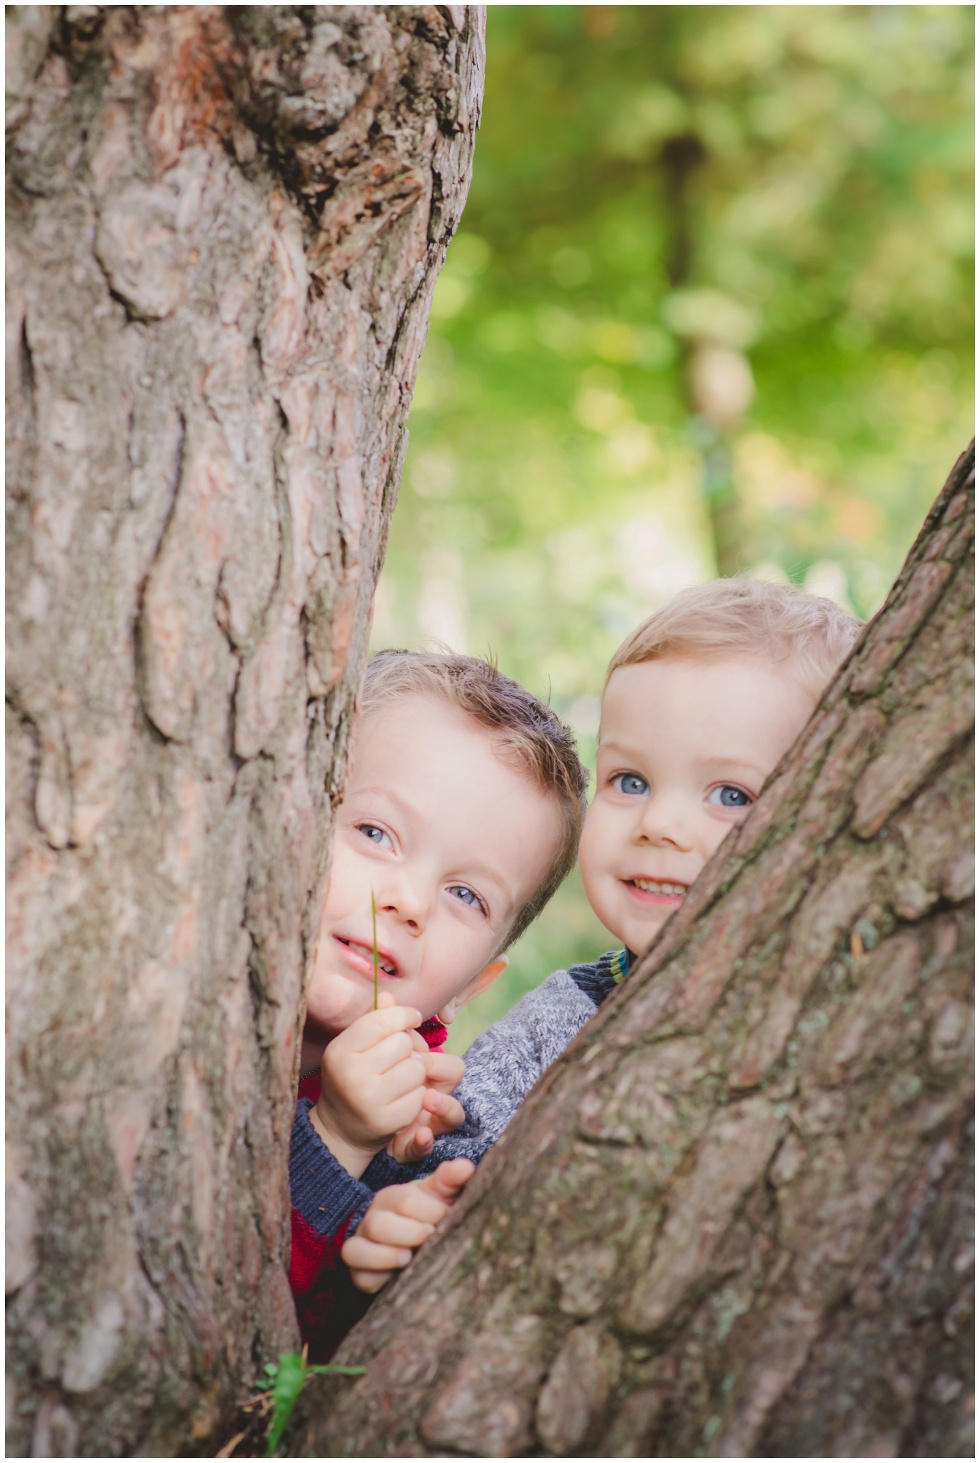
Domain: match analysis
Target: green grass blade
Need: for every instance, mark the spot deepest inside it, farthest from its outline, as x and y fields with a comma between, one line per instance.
x=374, y=946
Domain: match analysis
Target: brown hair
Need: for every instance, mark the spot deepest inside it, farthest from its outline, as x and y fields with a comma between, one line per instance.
x=526, y=731
x=777, y=622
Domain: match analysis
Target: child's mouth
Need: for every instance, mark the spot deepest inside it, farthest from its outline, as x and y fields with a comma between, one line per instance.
x=657, y=889
x=385, y=965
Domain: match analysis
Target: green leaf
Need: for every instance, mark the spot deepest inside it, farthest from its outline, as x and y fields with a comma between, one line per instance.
x=286, y=1387
x=287, y=1378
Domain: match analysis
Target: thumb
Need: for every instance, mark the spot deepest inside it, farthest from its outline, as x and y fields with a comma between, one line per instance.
x=448, y=1179
x=415, y=1148
x=385, y=998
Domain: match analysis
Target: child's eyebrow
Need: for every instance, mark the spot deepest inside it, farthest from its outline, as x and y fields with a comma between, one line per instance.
x=626, y=749
x=375, y=790
x=725, y=764
x=485, y=874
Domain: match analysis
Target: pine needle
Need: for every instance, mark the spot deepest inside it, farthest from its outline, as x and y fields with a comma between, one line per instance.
x=374, y=946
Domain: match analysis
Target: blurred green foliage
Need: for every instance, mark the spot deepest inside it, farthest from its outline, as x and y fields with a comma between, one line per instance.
x=710, y=308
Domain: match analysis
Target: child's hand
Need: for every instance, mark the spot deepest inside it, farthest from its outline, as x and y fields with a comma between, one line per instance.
x=443, y=1071
x=400, y=1219
x=441, y=1113
x=372, y=1082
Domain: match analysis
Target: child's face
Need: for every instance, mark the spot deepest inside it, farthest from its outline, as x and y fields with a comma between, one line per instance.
x=684, y=748
x=451, y=841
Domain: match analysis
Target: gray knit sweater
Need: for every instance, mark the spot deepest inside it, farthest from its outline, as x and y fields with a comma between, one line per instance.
x=504, y=1063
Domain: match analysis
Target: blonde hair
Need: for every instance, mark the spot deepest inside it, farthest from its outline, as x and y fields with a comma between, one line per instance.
x=810, y=636
x=524, y=730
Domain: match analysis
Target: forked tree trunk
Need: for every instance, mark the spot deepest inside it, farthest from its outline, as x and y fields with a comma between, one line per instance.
x=223, y=232
x=734, y=1219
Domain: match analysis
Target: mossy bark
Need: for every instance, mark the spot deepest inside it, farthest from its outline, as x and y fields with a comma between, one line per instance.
x=224, y=227
x=734, y=1219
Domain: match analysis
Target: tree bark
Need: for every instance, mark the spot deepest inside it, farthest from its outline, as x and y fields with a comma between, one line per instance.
x=734, y=1218
x=223, y=231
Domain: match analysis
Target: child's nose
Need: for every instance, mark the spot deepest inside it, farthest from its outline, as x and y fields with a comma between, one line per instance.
x=665, y=820
x=405, y=898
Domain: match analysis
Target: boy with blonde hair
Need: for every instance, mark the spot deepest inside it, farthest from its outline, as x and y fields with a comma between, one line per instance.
x=460, y=818
x=700, y=704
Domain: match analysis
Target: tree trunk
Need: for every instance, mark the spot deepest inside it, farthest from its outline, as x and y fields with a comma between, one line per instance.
x=223, y=230
x=734, y=1219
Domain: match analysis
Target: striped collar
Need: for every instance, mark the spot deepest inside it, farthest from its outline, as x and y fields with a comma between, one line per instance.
x=619, y=963
x=600, y=979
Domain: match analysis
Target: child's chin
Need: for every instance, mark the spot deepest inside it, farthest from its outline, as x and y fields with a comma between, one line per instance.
x=340, y=1003
x=643, y=932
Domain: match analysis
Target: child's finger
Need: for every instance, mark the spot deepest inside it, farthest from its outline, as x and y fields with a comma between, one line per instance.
x=374, y=1026
x=360, y=1254
x=412, y=1201
x=444, y=1071
x=390, y=1052
x=385, y=1227
x=448, y=1179
x=368, y=1254
x=410, y=1144
x=397, y=1113
x=448, y=1111
x=444, y=1106
x=446, y=1064
x=370, y=1282
x=415, y=1201
x=413, y=1144
x=398, y=1081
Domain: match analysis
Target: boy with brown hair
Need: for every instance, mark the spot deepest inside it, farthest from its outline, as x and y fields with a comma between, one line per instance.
x=460, y=818
x=700, y=704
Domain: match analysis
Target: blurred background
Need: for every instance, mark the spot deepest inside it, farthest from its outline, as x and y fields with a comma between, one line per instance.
x=709, y=311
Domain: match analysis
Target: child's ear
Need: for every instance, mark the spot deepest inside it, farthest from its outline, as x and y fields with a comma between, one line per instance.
x=475, y=986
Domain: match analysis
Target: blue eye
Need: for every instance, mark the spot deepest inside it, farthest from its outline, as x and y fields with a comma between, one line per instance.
x=727, y=795
x=376, y=835
x=631, y=784
x=466, y=896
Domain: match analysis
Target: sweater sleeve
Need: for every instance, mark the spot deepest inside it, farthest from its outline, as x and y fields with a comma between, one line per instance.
x=502, y=1066
x=505, y=1062
x=327, y=1205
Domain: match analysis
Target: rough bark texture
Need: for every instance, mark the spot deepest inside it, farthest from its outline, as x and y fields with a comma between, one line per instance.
x=223, y=232
x=734, y=1219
